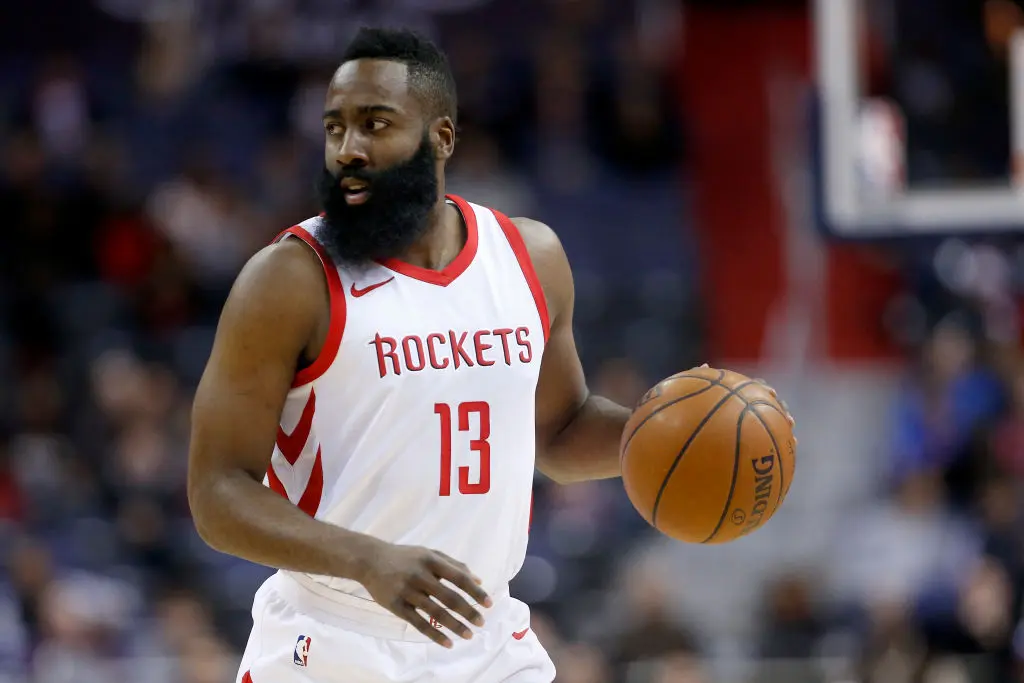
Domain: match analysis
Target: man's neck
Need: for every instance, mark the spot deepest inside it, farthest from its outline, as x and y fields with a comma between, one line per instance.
x=442, y=241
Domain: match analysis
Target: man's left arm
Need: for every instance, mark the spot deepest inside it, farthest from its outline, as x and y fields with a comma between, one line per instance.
x=578, y=433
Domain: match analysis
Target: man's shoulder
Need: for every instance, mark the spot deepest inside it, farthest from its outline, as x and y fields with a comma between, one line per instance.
x=536, y=234
x=285, y=261
x=542, y=243
x=549, y=262
x=286, y=275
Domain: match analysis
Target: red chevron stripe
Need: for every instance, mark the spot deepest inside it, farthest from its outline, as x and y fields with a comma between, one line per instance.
x=310, y=501
x=275, y=482
x=291, y=445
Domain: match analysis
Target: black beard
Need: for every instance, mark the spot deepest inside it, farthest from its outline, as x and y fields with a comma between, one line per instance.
x=394, y=217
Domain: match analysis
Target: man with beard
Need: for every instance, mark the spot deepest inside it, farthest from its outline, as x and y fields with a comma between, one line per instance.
x=385, y=378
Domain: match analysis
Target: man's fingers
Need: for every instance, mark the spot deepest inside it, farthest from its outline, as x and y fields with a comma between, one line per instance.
x=456, y=603
x=789, y=415
x=442, y=616
x=409, y=613
x=775, y=395
x=458, y=565
x=461, y=579
x=771, y=390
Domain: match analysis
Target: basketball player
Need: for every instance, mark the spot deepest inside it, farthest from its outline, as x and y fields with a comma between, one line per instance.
x=384, y=380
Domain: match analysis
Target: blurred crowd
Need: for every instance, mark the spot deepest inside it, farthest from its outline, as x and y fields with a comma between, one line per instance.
x=142, y=168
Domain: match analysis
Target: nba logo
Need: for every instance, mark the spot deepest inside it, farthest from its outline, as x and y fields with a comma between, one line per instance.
x=301, y=655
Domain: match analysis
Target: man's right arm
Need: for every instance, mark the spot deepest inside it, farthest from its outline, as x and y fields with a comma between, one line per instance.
x=273, y=311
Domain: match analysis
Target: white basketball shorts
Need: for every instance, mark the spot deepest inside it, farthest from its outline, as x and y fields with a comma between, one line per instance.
x=299, y=636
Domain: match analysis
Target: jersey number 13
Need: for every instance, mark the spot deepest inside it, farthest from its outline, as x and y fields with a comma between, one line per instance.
x=478, y=445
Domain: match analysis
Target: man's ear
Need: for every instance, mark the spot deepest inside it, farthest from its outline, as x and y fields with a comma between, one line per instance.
x=442, y=134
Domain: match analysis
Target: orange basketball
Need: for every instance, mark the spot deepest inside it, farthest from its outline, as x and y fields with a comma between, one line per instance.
x=708, y=456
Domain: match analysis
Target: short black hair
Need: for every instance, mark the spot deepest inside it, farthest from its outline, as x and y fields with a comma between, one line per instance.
x=430, y=75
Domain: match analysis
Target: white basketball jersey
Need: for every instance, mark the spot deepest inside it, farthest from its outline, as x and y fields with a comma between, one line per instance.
x=416, y=423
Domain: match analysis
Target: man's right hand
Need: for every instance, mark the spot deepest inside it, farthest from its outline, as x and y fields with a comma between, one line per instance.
x=407, y=580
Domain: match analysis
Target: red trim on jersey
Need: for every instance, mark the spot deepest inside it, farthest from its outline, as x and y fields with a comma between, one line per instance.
x=314, y=493
x=336, y=294
x=246, y=678
x=291, y=445
x=275, y=482
x=310, y=500
x=515, y=240
x=454, y=269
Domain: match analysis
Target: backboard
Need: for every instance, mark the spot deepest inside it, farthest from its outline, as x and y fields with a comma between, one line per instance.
x=918, y=125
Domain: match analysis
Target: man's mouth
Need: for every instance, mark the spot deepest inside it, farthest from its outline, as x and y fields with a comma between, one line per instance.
x=356, y=191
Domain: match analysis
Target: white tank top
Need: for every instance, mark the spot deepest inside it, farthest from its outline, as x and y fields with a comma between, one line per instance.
x=416, y=423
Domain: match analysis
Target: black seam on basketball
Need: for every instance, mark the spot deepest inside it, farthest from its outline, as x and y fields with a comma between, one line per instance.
x=662, y=407
x=782, y=470
x=733, y=391
x=774, y=405
x=735, y=472
x=778, y=451
x=686, y=373
x=681, y=375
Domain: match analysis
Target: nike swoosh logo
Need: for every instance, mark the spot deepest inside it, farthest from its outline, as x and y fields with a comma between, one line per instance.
x=356, y=292
x=519, y=635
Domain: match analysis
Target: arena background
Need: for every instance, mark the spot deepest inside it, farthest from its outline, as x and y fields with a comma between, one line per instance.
x=150, y=146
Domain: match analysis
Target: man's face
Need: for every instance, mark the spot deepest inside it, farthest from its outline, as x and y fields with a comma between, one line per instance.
x=381, y=163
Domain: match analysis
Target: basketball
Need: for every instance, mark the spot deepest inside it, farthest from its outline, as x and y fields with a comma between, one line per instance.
x=708, y=456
